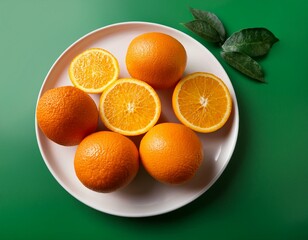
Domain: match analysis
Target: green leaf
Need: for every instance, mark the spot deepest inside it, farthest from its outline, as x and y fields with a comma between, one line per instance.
x=244, y=64
x=254, y=42
x=212, y=20
x=204, y=30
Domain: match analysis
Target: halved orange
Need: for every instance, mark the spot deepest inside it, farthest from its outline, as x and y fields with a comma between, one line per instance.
x=93, y=70
x=202, y=102
x=129, y=106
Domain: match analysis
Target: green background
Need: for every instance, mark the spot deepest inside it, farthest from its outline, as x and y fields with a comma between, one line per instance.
x=263, y=193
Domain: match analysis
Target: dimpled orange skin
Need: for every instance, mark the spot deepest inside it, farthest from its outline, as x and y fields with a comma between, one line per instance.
x=171, y=153
x=66, y=115
x=106, y=161
x=156, y=58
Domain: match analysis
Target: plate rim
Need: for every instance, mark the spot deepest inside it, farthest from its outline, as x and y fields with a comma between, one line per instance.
x=151, y=213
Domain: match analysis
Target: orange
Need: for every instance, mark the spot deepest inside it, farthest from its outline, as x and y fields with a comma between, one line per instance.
x=130, y=107
x=106, y=161
x=156, y=58
x=171, y=153
x=93, y=70
x=66, y=115
x=202, y=102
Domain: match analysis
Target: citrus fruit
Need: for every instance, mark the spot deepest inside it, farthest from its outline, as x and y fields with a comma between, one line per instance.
x=66, y=115
x=171, y=153
x=106, y=161
x=129, y=106
x=93, y=70
x=202, y=102
x=156, y=58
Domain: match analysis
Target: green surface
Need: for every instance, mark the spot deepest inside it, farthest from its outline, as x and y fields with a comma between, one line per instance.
x=263, y=193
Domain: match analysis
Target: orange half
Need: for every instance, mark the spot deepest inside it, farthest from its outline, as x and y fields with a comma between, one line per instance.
x=130, y=107
x=93, y=70
x=202, y=102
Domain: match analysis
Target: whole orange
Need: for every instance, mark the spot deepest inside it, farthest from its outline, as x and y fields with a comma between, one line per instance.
x=66, y=115
x=171, y=153
x=156, y=58
x=106, y=161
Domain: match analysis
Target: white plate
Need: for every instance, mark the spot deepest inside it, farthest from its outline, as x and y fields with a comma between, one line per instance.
x=144, y=196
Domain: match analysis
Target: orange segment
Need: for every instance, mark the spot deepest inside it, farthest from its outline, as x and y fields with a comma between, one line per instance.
x=202, y=102
x=130, y=107
x=93, y=70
